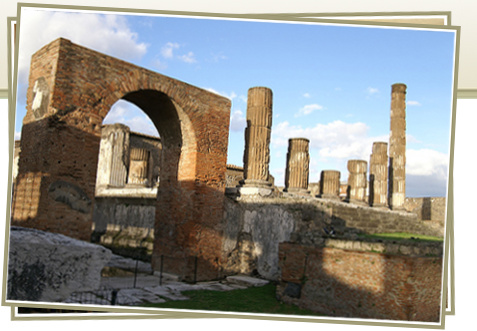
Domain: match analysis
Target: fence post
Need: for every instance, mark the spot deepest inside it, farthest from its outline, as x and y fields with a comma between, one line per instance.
x=114, y=297
x=162, y=267
x=195, y=270
x=135, y=273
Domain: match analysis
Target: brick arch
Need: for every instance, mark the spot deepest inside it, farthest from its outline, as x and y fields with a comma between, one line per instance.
x=60, y=144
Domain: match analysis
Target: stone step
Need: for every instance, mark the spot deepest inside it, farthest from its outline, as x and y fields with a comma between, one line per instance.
x=246, y=281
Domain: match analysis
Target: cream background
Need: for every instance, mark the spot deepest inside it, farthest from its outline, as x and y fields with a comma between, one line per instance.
x=465, y=226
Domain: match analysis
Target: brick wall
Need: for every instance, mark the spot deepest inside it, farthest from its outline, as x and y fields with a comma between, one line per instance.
x=350, y=279
x=71, y=89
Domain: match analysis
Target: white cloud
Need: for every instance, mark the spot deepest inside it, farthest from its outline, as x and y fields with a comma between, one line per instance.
x=159, y=64
x=335, y=140
x=17, y=135
x=232, y=95
x=372, y=90
x=306, y=95
x=142, y=124
x=426, y=162
x=308, y=109
x=109, y=34
x=238, y=121
x=128, y=114
x=167, y=51
x=413, y=103
x=188, y=58
x=216, y=57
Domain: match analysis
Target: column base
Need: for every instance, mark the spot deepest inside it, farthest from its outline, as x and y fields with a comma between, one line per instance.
x=296, y=190
x=250, y=190
x=255, y=183
x=328, y=196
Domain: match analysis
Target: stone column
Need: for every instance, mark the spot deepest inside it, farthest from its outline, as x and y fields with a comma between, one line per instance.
x=357, y=181
x=298, y=161
x=330, y=184
x=113, y=158
x=256, y=156
x=397, y=148
x=378, y=175
x=139, y=166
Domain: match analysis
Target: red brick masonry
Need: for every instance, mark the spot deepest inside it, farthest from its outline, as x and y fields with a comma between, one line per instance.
x=352, y=280
x=71, y=90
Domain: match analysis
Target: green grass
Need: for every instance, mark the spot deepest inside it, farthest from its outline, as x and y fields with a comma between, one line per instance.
x=251, y=300
x=402, y=236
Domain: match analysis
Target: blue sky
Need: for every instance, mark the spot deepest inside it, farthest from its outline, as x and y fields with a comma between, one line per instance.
x=330, y=83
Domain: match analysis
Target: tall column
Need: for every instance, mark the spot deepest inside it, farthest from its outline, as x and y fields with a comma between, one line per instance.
x=397, y=147
x=256, y=156
x=357, y=181
x=298, y=162
x=378, y=175
x=330, y=184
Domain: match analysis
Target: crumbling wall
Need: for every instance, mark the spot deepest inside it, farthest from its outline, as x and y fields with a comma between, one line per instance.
x=255, y=226
x=125, y=225
x=428, y=208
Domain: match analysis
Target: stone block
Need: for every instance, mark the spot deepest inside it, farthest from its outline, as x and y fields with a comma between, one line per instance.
x=48, y=267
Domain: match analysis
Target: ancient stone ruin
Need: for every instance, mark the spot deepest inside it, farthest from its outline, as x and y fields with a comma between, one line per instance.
x=297, y=170
x=397, y=147
x=256, y=157
x=378, y=175
x=169, y=195
x=55, y=186
x=330, y=184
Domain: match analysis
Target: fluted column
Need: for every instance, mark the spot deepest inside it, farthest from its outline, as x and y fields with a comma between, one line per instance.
x=298, y=162
x=397, y=147
x=378, y=175
x=257, y=137
x=113, y=158
x=357, y=181
x=330, y=184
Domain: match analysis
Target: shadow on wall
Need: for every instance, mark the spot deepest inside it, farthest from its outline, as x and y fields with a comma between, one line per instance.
x=62, y=203
x=349, y=282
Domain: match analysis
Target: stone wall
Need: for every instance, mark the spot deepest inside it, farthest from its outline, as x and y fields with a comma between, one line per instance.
x=125, y=224
x=429, y=208
x=254, y=227
x=363, y=279
x=349, y=218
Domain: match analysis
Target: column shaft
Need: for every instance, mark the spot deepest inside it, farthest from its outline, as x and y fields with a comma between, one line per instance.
x=378, y=175
x=257, y=137
x=357, y=181
x=397, y=147
x=298, y=161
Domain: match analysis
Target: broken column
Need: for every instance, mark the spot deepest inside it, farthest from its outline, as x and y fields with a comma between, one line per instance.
x=139, y=166
x=114, y=156
x=357, y=181
x=297, y=170
x=378, y=175
x=330, y=184
x=257, y=142
x=397, y=148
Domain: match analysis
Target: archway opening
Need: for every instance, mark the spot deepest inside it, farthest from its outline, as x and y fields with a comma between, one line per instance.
x=127, y=181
